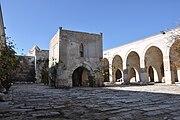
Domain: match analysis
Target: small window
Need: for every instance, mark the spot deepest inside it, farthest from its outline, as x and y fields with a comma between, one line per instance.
x=81, y=50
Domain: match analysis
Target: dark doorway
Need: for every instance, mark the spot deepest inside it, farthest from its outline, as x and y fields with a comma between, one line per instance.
x=118, y=76
x=151, y=74
x=80, y=77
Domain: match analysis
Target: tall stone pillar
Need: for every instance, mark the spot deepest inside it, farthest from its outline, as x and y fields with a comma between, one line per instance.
x=167, y=70
x=178, y=74
x=110, y=71
x=125, y=73
x=143, y=74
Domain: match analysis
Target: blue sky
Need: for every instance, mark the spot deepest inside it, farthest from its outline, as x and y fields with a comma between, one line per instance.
x=34, y=22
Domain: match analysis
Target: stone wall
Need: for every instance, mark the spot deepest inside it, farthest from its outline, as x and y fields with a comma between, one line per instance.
x=41, y=63
x=25, y=71
x=42, y=60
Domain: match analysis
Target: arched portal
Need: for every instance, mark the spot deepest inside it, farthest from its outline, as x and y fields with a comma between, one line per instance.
x=175, y=61
x=116, y=64
x=133, y=66
x=118, y=76
x=106, y=70
x=154, y=59
x=80, y=77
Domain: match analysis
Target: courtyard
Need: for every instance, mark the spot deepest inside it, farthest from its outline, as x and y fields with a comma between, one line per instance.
x=36, y=102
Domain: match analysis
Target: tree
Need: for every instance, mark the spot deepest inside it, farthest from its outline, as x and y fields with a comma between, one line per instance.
x=8, y=63
x=173, y=37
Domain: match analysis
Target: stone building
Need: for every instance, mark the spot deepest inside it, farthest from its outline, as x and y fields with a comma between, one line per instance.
x=41, y=62
x=147, y=60
x=75, y=59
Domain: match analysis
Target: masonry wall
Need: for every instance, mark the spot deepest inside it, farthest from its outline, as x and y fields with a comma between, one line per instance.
x=54, y=49
x=42, y=61
x=25, y=72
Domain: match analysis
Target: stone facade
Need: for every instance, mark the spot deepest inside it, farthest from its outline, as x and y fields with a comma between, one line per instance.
x=144, y=61
x=41, y=59
x=76, y=57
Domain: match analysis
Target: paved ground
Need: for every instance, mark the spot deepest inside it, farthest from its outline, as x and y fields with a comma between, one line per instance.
x=35, y=102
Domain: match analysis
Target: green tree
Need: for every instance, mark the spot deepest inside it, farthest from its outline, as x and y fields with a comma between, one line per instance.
x=173, y=36
x=8, y=63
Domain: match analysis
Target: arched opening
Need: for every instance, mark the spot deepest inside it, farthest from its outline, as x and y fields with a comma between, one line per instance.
x=153, y=75
x=154, y=64
x=117, y=64
x=133, y=67
x=106, y=70
x=118, y=76
x=175, y=61
x=80, y=77
x=133, y=77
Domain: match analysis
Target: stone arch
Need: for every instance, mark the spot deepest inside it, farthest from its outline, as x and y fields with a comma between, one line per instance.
x=85, y=67
x=154, y=57
x=127, y=54
x=152, y=74
x=117, y=63
x=174, y=55
x=133, y=64
x=80, y=77
x=150, y=45
x=106, y=70
x=133, y=75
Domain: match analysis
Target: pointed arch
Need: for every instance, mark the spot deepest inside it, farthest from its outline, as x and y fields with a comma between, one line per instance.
x=133, y=75
x=154, y=58
x=80, y=77
x=117, y=63
x=152, y=74
x=133, y=66
x=174, y=54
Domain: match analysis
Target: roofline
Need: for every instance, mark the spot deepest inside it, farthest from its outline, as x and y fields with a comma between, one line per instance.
x=142, y=39
x=82, y=32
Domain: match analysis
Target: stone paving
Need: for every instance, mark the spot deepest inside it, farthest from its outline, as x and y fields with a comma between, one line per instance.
x=39, y=102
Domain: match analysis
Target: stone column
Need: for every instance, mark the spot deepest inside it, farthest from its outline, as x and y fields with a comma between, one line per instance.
x=178, y=75
x=125, y=73
x=143, y=73
x=110, y=71
x=167, y=70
